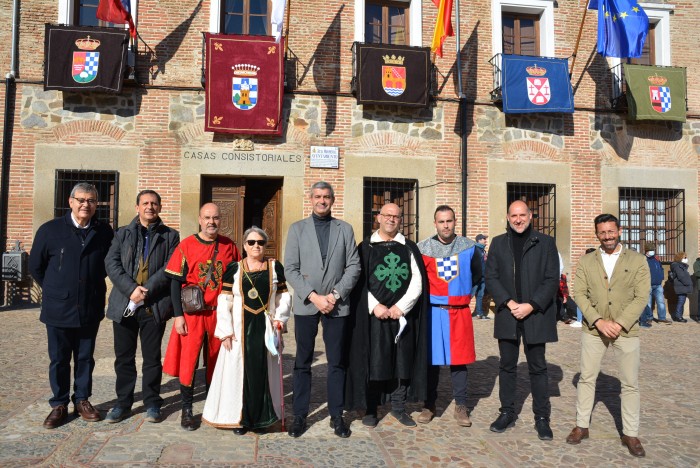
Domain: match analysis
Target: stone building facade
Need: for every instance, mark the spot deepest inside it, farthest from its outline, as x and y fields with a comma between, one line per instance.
x=152, y=134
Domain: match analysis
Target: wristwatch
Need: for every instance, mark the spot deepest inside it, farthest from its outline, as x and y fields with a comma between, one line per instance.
x=336, y=295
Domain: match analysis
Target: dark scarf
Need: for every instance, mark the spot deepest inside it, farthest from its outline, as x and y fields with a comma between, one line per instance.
x=518, y=246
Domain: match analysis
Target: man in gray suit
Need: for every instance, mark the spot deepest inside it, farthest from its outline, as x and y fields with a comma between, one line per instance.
x=322, y=265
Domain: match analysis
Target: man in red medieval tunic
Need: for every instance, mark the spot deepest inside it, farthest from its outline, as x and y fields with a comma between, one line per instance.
x=198, y=260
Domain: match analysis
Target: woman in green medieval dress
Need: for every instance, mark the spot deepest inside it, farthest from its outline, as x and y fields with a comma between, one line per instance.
x=245, y=391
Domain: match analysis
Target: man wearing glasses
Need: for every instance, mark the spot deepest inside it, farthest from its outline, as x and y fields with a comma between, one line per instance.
x=67, y=261
x=322, y=266
x=140, y=304
x=388, y=355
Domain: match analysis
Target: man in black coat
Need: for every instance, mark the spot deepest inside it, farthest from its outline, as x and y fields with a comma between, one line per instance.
x=388, y=358
x=140, y=304
x=67, y=261
x=522, y=275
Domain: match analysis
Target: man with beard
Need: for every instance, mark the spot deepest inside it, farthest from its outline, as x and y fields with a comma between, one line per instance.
x=388, y=347
x=198, y=260
x=612, y=288
x=522, y=275
x=453, y=267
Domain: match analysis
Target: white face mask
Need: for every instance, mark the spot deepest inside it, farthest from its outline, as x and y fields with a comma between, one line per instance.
x=685, y=260
x=650, y=253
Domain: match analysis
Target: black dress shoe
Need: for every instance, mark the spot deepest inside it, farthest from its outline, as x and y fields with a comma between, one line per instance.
x=681, y=319
x=239, y=430
x=339, y=427
x=298, y=427
x=403, y=418
x=544, y=432
x=187, y=421
x=503, y=422
x=370, y=420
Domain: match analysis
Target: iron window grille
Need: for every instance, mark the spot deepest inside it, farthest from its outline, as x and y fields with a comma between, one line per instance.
x=107, y=184
x=653, y=215
x=541, y=199
x=379, y=191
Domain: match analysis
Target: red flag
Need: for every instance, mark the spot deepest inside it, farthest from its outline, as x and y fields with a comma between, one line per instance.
x=117, y=12
x=443, y=25
x=244, y=84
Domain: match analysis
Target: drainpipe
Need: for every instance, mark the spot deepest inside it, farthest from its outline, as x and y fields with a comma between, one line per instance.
x=9, y=116
x=462, y=122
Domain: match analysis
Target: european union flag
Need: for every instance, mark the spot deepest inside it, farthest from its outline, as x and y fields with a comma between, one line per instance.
x=535, y=84
x=622, y=27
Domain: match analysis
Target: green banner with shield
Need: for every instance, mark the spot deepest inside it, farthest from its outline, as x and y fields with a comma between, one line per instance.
x=655, y=93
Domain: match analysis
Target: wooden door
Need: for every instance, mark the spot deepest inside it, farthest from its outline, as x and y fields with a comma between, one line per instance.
x=263, y=209
x=229, y=194
x=245, y=203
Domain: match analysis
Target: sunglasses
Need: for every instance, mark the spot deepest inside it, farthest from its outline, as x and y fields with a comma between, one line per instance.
x=260, y=242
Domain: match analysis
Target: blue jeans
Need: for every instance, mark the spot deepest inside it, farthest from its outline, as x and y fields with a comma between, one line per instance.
x=478, y=292
x=579, y=315
x=657, y=293
x=679, y=305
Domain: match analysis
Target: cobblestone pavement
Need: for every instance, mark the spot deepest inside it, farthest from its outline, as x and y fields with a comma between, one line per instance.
x=670, y=426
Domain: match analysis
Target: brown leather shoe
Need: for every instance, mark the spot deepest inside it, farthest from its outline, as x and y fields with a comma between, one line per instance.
x=426, y=415
x=87, y=411
x=577, y=435
x=634, y=446
x=57, y=417
x=462, y=416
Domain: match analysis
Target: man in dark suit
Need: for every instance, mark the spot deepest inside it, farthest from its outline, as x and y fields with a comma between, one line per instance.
x=67, y=261
x=522, y=275
x=322, y=265
x=140, y=304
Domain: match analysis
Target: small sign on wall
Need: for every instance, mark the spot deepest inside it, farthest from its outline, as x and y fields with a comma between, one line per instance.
x=324, y=157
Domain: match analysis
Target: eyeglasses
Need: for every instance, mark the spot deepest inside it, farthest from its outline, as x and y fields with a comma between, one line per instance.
x=260, y=242
x=396, y=217
x=89, y=201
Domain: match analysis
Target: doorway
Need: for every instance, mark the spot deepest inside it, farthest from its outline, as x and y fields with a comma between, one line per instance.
x=244, y=202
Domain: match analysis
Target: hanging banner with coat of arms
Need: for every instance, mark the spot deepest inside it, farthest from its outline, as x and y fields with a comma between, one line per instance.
x=390, y=74
x=85, y=58
x=655, y=93
x=535, y=84
x=244, y=84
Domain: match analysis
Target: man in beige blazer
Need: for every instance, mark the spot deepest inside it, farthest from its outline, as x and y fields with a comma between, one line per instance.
x=611, y=287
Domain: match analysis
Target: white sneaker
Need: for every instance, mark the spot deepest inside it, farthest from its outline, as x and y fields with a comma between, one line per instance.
x=575, y=324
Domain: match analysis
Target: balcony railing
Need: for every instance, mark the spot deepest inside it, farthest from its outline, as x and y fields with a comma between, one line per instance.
x=495, y=62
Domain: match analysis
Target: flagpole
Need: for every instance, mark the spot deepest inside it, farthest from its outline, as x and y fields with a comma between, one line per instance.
x=286, y=38
x=578, y=39
x=462, y=122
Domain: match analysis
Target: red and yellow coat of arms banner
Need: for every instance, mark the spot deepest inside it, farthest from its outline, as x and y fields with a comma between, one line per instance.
x=244, y=84
x=392, y=74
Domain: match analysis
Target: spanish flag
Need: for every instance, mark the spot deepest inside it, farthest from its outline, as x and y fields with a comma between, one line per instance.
x=443, y=25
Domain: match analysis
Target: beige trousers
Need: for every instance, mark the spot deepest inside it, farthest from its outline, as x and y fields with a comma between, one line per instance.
x=592, y=351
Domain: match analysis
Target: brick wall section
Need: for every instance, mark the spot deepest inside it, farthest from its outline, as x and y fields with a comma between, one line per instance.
x=320, y=42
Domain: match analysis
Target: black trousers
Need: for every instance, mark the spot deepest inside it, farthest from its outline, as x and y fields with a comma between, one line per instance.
x=537, y=367
x=305, y=331
x=126, y=334
x=459, y=384
x=64, y=344
x=396, y=389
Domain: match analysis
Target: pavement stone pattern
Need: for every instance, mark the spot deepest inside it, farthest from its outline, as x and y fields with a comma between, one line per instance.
x=670, y=422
